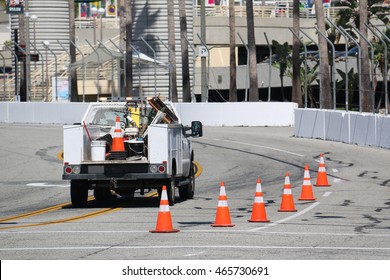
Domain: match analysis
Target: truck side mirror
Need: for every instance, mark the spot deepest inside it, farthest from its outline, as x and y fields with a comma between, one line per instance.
x=196, y=129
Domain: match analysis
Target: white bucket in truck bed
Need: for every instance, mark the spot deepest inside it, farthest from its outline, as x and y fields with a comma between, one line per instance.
x=98, y=150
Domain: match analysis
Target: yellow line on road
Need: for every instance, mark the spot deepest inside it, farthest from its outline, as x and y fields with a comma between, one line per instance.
x=75, y=218
x=34, y=213
x=60, y=155
x=40, y=211
x=59, y=206
x=198, y=169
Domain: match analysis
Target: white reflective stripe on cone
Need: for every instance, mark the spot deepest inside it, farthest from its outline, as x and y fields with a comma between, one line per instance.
x=259, y=199
x=306, y=182
x=287, y=191
x=164, y=208
x=222, y=203
x=118, y=135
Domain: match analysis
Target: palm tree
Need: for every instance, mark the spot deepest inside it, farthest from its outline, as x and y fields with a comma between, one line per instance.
x=72, y=52
x=296, y=79
x=358, y=14
x=353, y=82
x=326, y=95
x=367, y=105
x=311, y=76
x=380, y=64
x=122, y=36
x=129, y=49
x=281, y=61
x=184, y=52
x=233, y=68
x=172, y=49
x=253, y=84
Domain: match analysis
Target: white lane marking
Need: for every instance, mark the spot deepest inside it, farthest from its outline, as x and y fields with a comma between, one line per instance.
x=288, y=218
x=44, y=184
x=327, y=194
x=370, y=235
x=195, y=254
x=335, y=170
x=337, y=180
x=196, y=247
x=264, y=147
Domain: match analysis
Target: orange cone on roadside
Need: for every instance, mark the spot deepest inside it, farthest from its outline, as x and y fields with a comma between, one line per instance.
x=307, y=190
x=222, y=218
x=322, y=179
x=287, y=204
x=258, y=211
x=118, y=144
x=164, y=220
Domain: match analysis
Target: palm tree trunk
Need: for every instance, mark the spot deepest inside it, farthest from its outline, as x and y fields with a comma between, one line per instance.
x=122, y=37
x=365, y=71
x=325, y=92
x=233, y=68
x=72, y=51
x=253, y=84
x=296, y=79
x=172, y=49
x=184, y=52
x=129, y=50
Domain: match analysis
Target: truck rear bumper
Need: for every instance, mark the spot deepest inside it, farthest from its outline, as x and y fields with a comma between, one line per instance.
x=124, y=177
x=118, y=170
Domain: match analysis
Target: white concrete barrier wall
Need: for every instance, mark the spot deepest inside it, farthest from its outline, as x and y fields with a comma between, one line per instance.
x=238, y=114
x=39, y=112
x=363, y=129
x=211, y=114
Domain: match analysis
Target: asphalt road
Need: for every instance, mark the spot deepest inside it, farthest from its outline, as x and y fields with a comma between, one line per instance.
x=348, y=221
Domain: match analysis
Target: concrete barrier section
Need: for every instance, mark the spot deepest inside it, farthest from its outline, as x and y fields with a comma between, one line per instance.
x=384, y=133
x=238, y=114
x=39, y=112
x=363, y=129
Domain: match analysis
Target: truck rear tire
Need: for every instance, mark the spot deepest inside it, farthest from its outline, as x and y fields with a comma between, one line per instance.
x=171, y=189
x=79, y=193
x=188, y=191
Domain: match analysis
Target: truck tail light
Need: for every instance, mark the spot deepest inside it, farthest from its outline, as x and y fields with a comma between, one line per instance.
x=161, y=168
x=68, y=169
x=158, y=168
x=72, y=169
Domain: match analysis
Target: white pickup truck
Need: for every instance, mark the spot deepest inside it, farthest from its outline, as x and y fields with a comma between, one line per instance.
x=158, y=151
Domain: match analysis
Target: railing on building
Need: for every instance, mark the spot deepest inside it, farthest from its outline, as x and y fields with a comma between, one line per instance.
x=39, y=87
x=266, y=11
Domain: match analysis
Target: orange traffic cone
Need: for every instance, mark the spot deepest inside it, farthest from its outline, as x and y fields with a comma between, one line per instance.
x=307, y=190
x=222, y=218
x=322, y=179
x=258, y=210
x=287, y=204
x=118, y=144
x=164, y=220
